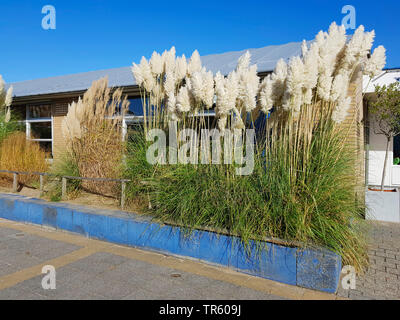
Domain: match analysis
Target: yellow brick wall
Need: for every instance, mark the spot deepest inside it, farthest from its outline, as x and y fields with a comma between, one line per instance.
x=354, y=128
x=60, y=109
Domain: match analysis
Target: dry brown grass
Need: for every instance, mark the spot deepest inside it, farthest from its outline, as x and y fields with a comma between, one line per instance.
x=93, y=130
x=19, y=154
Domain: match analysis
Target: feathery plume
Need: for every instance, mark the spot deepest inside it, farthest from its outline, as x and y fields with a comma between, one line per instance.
x=375, y=64
x=183, y=101
x=278, y=78
x=295, y=81
x=8, y=99
x=202, y=86
x=243, y=62
x=248, y=83
x=170, y=84
x=265, y=99
x=137, y=73
x=194, y=64
x=181, y=68
x=8, y=115
x=156, y=63
x=148, y=80
x=168, y=57
x=340, y=86
x=341, y=110
x=226, y=90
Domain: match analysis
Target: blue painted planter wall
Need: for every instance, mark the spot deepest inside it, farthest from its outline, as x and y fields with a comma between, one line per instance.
x=317, y=269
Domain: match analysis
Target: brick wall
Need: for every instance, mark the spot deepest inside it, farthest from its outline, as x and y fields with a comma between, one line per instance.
x=354, y=129
x=60, y=109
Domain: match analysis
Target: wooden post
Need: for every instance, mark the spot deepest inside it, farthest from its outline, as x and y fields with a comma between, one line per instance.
x=15, y=182
x=41, y=184
x=123, y=186
x=64, y=188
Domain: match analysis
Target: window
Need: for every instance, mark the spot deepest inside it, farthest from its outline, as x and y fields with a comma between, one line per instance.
x=135, y=107
x=39, y=112
x=39, y=126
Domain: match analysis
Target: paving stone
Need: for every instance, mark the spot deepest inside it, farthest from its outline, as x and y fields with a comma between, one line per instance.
x=382, y=278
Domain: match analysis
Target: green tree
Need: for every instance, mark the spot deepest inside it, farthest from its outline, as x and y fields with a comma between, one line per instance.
x=386, y=112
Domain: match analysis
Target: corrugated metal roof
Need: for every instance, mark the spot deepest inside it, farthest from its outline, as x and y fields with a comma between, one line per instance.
x=265, y=58
x=387, y=77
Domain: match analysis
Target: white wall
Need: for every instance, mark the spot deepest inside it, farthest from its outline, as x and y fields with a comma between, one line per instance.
x=377, y=150
x=377, y=143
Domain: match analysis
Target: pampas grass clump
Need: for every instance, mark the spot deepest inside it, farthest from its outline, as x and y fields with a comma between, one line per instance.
x=19, y=154
x=93, y=132
x=303, y=188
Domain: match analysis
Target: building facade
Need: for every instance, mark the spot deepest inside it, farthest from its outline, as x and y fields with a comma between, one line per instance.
x=376, y=143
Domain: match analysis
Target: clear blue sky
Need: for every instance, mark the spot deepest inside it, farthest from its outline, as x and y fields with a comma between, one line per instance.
x=101, y=34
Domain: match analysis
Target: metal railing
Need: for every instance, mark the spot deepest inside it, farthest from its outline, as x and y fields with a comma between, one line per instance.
x=64, y=180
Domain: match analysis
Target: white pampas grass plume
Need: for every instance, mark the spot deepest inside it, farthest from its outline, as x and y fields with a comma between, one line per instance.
x=208, y=90
x=340, y=112
x=310, y=58
x=149, y=81
x=171, y=108
x=8, y=116
x=8, y=99
x=226, y=91
x=71, y=124
x=340, y=86
x=248, y=83
x=295, y=83
x=196, y=84
x=168, y=57
x=181, y=68
x=202, y=86
x=265, y=98
x=278, y=78
x=183, y=101
x=5, y=97
x=231, y=90
x=336, y=38
x=376, y=63
x=137, y=73
x=170, y=84
x=330, y=46
x=244, y=61
x=194, y=64
x=324, y=86
x=156, y=63
x=358, y=47
x=157, y=92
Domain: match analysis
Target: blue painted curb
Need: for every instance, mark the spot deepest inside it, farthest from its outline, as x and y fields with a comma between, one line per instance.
x=316, y=269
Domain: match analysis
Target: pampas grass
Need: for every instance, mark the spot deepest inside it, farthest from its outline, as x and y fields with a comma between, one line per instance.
x=303, y=188
x=93, y=132
x=19, y=154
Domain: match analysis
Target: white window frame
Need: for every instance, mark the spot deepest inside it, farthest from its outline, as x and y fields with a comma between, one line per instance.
x=30, y=120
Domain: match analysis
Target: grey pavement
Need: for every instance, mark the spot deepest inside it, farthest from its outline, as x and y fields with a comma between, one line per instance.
x=381, y=279
x=101, y=275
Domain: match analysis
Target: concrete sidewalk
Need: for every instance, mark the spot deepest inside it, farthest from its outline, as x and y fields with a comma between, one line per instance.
x=91, y=269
